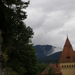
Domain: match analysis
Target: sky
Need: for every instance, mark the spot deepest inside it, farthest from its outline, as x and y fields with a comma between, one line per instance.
x=51, y=21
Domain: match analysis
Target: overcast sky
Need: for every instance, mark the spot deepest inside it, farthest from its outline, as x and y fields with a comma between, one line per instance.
x=52, y=21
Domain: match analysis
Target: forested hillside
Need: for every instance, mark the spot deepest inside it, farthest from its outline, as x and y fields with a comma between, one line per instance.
x=43, y=50
x=51, y=58
x=46, y=50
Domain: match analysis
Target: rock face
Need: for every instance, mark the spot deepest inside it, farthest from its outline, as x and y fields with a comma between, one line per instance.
x=3, y=69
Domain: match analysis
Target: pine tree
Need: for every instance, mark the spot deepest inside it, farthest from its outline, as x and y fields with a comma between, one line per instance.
x=17, y=38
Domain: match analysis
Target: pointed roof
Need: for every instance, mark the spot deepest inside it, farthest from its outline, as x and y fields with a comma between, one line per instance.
x=67, y=43
x=54, y=67
x=67, y=54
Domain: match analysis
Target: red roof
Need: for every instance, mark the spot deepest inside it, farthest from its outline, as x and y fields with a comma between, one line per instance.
x=42, y=73
x=54, y=67
x=67, y=43
x=67, y=54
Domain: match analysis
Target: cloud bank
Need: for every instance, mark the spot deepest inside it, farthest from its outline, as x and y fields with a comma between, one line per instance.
x=52, y=21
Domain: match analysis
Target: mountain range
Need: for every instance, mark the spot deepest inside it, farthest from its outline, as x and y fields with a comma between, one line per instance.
x=47, y=53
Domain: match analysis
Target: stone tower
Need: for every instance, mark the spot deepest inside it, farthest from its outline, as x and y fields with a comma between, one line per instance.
x=67, y=59
x=3, y=70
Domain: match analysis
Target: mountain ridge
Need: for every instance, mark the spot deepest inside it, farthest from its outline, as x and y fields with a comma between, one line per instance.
x=46, y=50
x=47, y=53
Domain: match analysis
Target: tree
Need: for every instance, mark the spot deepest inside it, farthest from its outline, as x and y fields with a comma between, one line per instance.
x=51, y=72
x=11, y=18
x=17, y=38
x=41, y=67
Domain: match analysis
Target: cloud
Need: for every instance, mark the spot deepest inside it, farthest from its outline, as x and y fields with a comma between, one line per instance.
x=52, y=21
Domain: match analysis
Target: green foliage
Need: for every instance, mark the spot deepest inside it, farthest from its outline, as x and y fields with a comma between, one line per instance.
x=11, y=72
x=21, y=70
x=17, y=48
x=41, y=67
x=12, y=19
x=51, y=72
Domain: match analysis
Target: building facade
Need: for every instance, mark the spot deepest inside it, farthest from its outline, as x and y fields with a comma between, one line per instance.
x=67, y=59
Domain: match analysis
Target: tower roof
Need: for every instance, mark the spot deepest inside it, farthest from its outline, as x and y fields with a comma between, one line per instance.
x=67, y=43
x=67, y=54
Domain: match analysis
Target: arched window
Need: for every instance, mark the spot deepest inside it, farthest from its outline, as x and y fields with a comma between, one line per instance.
x=67, y=66
x=72, y=66
x=62, y=66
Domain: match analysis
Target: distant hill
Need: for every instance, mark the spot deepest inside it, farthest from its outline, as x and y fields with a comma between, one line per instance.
x=51, y=58
x=46, y=50
x=47, y=53
x=43, y=50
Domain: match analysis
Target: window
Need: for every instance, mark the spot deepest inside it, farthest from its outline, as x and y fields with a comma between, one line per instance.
x=62, y=66
x=67, y=66
x=68, y=47
x=68, y=56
